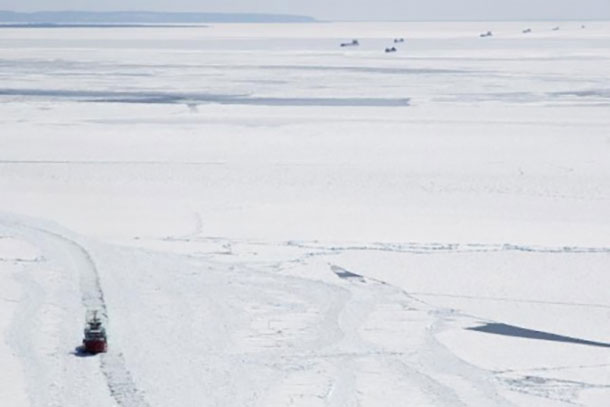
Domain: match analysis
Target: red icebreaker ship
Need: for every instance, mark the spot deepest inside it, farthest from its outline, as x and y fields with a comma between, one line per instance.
x=95, y=340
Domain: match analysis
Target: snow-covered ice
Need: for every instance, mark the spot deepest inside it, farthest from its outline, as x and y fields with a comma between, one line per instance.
x=269, y=219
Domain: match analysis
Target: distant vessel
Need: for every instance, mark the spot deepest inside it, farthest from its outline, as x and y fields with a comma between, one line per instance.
x=556, y=29
x=398, y=40
x=95, y=340
x=487, y=34
x=393, y=49
x=527, y=31
x=352, y=43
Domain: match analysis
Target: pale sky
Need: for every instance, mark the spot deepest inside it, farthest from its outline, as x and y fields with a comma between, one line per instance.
x=348, y=9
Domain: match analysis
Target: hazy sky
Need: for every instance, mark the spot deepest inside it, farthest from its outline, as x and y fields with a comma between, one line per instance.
x=349, y=9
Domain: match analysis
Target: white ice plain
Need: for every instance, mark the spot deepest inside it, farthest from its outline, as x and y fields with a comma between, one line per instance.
x=269, y=219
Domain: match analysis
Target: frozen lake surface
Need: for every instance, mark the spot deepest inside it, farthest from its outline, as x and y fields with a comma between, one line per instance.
x=270, y=219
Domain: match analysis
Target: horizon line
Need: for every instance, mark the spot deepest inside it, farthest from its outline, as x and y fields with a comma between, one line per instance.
x=309, y=18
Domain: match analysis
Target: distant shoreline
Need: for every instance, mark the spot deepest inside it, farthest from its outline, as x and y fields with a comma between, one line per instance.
x=139, y=18
x=100, y=25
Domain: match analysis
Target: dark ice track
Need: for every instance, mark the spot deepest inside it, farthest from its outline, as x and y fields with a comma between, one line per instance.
x=149, y=97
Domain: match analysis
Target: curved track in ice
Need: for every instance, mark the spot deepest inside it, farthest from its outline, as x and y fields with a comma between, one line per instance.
x=118, y=377
x=430, y=367
x=213, y=326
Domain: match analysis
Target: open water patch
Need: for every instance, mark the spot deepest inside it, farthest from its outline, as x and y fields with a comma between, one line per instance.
x=518, y=332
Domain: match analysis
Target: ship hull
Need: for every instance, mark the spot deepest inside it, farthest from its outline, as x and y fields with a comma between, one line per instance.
x=95, y=346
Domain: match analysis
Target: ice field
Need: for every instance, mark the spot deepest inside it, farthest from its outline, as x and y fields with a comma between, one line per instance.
x=270, y=219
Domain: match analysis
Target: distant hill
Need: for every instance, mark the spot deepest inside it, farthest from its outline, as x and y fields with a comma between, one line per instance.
x=144, y=17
